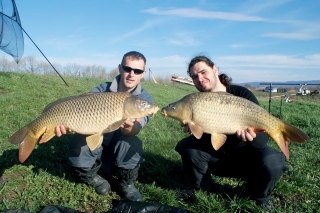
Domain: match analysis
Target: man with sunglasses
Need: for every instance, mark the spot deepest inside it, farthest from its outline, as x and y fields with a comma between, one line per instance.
x=121, y=152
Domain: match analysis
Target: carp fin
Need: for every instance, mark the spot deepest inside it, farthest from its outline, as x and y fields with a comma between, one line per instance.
x=282, y=143
x=26, y=140
x=195, y=129
x=94, y=141
x=114, y=126
x=217, y=140
x=47, y=135
x=19, y=135
x=287, y=134
x=258, y=130
x=294, y=134
x=26, y=147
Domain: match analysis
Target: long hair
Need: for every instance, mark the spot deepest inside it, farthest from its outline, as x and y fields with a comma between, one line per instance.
x=224, y=78
x=134, y=55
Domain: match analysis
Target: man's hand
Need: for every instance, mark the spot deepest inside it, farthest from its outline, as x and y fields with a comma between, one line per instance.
x=246, y=135
x=61, y=130
x=129, y=127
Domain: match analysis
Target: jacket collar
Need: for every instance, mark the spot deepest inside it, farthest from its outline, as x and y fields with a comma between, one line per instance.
x=115, y=83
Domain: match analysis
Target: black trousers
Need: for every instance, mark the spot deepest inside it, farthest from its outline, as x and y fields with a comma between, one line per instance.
x=256, y=162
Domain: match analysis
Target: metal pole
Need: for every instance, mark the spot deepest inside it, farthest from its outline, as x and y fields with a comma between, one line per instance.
x=281, y=108
x=270, y=96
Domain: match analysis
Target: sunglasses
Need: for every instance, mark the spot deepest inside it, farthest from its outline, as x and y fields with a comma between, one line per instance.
x=128, y=69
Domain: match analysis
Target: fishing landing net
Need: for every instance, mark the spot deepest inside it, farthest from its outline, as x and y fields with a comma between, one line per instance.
x=11, y=35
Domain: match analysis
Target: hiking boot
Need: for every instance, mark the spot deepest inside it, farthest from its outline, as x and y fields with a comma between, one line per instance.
x=125, y=184
x=91, y=177
x=186, y=195
x=267, y=205
x=101, y=185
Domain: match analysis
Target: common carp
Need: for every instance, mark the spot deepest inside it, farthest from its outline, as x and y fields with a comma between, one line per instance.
x=221, y=113
x=91, y=114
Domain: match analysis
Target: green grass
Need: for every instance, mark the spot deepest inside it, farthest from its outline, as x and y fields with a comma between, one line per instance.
x=45, y=177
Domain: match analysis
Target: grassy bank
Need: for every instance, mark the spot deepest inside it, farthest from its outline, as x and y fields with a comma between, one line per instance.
x=45, y=177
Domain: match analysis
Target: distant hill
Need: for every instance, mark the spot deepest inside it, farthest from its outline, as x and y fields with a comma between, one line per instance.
x=283, y=84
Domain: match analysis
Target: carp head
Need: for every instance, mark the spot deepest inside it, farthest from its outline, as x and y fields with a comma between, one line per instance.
x=180, y=110
x=135, y=107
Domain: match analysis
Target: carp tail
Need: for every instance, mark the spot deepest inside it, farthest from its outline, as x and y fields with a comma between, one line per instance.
x=26, y=140
x=287, y=133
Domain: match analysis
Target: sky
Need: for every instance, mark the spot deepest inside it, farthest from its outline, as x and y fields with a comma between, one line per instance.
x=249, y=40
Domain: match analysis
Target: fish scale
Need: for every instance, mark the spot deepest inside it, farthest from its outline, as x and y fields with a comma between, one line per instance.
x=244, y=113
x=70, y=113
x=220, y=113
x=91, y=114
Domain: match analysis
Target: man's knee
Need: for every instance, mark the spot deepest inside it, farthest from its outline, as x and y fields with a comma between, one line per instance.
x=273, y=163
x=79, y=154
x=180, y=146
x=186, y=144
x=128, y=151
x=130, y=142
x=76, y=142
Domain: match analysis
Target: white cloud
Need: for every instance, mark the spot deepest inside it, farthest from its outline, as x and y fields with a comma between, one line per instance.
x=146, y=25
x=183, y=39
x=251, y=7
x=198, y=13
x=246, y=68
x=109, y=61
x=271, y=61
x=305, y=30
x=297, y=36
x=270, y=68
x=243, y=75
x=167, y=63
x=236, y=46
x=248, y=45
x=314, y=57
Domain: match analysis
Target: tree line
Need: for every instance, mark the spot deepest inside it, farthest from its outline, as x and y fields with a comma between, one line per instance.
x=29, y=64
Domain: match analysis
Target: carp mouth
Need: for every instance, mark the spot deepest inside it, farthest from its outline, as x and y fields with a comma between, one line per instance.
x=154, y=111
x=164, y=113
